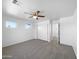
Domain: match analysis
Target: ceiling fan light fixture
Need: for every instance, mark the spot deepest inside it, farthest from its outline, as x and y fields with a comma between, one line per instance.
x=35, y=17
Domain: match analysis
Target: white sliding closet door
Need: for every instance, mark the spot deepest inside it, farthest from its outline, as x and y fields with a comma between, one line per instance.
x=44, y=30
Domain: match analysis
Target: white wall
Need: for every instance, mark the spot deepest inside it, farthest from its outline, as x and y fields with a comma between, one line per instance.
x=68, y=31
x=17, y=35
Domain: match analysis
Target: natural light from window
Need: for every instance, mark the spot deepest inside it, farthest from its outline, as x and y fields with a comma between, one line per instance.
x=27, y=26
x=10, y=24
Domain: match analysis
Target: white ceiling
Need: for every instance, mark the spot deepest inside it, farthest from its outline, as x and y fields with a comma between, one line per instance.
x=50, y=8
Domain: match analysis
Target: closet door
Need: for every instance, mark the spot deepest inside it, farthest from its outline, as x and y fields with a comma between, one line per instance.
x=43, y=30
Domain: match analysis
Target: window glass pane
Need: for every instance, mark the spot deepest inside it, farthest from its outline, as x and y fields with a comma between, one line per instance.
x=27, y=26
x=10, y=24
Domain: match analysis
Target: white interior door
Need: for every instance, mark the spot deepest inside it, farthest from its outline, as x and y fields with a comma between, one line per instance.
x=43, y=31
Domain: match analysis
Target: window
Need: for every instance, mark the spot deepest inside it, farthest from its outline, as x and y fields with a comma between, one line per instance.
x=27, y=26
x=10, y=24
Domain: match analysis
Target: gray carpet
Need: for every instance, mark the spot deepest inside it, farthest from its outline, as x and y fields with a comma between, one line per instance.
x=38, y=49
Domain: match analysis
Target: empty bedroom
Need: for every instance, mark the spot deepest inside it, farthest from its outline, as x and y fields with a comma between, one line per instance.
x=39, y=29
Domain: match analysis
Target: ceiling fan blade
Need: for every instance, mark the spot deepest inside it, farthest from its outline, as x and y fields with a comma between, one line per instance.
x=27, y=13
x=40, y=16
x=30, y=16
x=38, y=11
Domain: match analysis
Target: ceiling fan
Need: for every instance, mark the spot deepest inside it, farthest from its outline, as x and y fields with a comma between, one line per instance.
x=35, y=14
